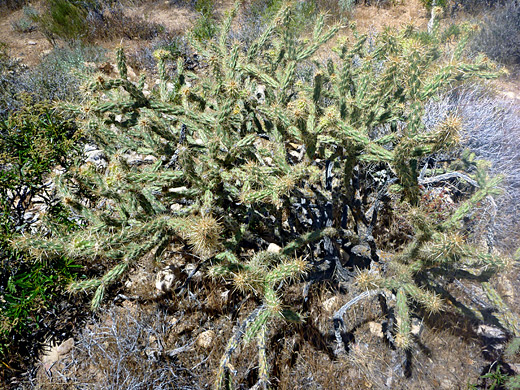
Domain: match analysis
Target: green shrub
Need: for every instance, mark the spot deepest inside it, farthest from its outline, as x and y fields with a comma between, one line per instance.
x=206, y=25
x=247, y=154
x=33, y=141
x=76, y=21
x=63, y=19
x=439, y=3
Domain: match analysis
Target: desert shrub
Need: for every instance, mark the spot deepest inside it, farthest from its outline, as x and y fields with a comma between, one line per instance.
x=9, y=72
x=205, y=26
x=76, y=21
x=63, y=19
x=26, y=23
x=13, y=4
x=58, y=76
x=429, y=3
x=474, y=6
x=254, y=17
x=266, y=179
x=142, y=58
x=109, y=21
x=33, y=141
x=499, y=37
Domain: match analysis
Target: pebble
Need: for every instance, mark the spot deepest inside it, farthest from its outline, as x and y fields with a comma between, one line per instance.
x=330, y=304
x=205, y=339
x=273, y=248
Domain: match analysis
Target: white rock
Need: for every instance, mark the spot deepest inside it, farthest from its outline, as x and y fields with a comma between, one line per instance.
x=32, y=43
x=330, y=304
x=176, y=207
x=177, y=189
x=56, y=352
x=205, y=339
x=376, y=329
x=273, y=248
x=98, y=158
x=89, y=148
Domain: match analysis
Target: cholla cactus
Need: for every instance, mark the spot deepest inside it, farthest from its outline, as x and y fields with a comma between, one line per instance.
x=308, y=165
x=261, y=275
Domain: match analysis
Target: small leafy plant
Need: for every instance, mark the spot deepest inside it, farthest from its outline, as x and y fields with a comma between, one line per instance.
x=33, y=141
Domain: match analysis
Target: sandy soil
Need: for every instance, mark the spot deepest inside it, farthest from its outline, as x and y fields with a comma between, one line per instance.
x=28, y=47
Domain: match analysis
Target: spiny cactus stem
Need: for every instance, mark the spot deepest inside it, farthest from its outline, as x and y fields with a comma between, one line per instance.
x=232, y=345
x=308, y=238
x=263, y=365
x=504, y=315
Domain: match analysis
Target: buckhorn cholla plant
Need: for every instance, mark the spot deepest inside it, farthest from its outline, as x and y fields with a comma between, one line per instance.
x=247, y=152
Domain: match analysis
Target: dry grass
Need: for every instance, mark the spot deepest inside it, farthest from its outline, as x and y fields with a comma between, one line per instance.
x=375, y=19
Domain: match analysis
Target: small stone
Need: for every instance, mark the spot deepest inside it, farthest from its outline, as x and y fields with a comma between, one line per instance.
x=376, y=329
x=32, y=43
x=205, y=339
x=98, y=158
x=176, y=207
x=56, y=352
x=177, y=189
x=89, y=148
x=330, y=304
x=417, y=327
x=295, y=154
x=66, y=346
x=273, y=248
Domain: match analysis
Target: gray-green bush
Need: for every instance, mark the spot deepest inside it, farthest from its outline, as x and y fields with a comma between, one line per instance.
x=499, y=37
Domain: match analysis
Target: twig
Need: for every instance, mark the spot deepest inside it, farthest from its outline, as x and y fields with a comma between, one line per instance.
x=447, y=176
x=176, y=351
x=338, y=318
